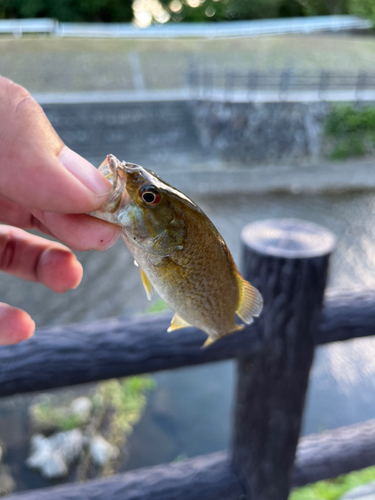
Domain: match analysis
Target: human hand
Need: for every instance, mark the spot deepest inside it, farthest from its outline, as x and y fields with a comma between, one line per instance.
x=43, y=185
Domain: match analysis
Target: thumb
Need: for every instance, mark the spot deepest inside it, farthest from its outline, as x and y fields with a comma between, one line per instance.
x=36, y=169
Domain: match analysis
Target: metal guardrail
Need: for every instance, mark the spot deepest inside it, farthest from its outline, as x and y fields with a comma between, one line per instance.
x=176, y=30
x=205, y=80
x=18, y=27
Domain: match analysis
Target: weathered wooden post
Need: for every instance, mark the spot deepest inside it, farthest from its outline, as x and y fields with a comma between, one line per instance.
x=287, y=260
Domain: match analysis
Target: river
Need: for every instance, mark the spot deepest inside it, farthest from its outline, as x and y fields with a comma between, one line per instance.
x=190, y=411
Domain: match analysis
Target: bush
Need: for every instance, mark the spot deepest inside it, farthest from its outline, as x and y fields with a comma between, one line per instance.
x=344, y=119
x=352, y=130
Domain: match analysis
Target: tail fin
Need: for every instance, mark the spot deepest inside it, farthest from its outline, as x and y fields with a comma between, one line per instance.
x=250, y=302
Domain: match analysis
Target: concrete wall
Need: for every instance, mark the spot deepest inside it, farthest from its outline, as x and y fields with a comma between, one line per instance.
x=147, y=133
x=262, y=132
x=193, y=134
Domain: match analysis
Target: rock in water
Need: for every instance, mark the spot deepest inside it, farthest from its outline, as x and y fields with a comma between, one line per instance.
x=82, y=407
x=53, y=455
x=102, y=451
x=7, y=483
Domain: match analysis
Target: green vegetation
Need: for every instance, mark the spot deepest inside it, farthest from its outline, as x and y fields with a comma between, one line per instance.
x=69, y=10
x=365, y=8
x=157, y=307
x=126, y=399
x=344, y=119
x=221, y=10
x=333, y=489
x=352, y=131
x=120, y=403
x=179, y=10
x=78, y=65
x=47, y=415
x=117, y=405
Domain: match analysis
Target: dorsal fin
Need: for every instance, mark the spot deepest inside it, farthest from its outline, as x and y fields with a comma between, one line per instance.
x=250, y=302
x=177, y=322
x=146, y=283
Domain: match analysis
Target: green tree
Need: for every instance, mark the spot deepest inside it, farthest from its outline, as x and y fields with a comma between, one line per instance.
x=365, y=8
x=69, y=10
x=220, y=10
x=324, y=7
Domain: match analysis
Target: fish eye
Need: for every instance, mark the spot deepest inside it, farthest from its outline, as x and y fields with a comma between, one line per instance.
x=150, y=196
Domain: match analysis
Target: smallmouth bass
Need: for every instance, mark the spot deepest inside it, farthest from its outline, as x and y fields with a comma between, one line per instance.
x=179, y=252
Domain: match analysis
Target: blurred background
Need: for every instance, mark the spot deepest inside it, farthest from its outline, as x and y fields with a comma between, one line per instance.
x=255, y=109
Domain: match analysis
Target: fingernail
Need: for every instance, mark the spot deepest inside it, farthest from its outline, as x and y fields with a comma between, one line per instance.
x=85, y=172
x=111, y=238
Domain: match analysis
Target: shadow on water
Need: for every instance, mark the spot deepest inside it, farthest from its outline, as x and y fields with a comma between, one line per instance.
x=190, y=411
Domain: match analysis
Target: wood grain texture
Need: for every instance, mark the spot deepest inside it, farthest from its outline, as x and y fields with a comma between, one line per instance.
x=287, y=261
x=347, y=314
x=203, y=478
x=76, y=354
x=334, y=452
x=319, y=456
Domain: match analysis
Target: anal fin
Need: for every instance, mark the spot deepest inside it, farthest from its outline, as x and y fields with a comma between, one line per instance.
x=239, y=328
x=146, y=283
x=250, y=302
x=208, y=342
x=211, y=340
x=177, y=322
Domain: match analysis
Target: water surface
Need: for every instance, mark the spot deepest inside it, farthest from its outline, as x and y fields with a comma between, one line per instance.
x=190, y=412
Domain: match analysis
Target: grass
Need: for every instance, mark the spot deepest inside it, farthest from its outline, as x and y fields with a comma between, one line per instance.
x=333, y=489
x=61, y=418
x=55, y=64
x=127, y=398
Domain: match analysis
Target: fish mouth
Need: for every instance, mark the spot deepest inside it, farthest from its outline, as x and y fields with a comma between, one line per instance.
x=114, y=171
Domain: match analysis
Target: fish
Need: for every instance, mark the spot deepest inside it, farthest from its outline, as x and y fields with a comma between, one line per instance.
x=179, y=252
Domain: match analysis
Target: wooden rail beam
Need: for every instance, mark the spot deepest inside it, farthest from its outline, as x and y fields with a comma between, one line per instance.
x=334, y=452
x=348, y=313
x=76, y=354
x=319, y=456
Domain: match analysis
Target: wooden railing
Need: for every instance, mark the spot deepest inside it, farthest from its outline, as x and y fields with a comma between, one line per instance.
x=288, y=261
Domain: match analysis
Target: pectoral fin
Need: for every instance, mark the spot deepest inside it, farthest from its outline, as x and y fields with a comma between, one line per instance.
x=250, y=303
x=177, y=323
x=146, y=283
